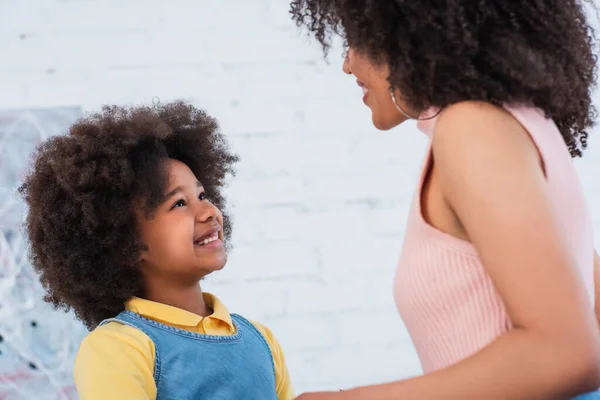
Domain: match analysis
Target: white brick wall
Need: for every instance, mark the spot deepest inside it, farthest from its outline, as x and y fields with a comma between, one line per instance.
x=321, y=196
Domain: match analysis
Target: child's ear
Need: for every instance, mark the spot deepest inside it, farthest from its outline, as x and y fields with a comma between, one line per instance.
x=142, y=263
x=142, y=256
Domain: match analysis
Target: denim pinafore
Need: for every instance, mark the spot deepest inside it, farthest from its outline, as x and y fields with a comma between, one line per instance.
x=190, y=365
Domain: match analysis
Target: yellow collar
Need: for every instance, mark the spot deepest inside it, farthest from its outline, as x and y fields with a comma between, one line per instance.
x=176, y=316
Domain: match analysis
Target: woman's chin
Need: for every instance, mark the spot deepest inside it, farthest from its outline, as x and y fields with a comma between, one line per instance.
x=385, y=124
x=384, y=116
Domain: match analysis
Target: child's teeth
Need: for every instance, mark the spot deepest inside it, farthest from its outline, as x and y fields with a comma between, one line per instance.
x=210, y=239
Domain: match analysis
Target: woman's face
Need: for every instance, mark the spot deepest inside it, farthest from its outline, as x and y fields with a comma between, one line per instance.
x=372, y=78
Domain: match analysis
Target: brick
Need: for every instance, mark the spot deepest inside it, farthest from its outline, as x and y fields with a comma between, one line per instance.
x=374, y=184
x=269, y=191
x=265, y=261
x=405, y=145
x=261, y=301
x=339, y=224
x=303, y=332
x=344, y=366
x=364, y=254
x=355, y=294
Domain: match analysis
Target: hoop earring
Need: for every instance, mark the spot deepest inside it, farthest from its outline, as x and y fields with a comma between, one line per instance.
x=407, y=115
x=398, y=107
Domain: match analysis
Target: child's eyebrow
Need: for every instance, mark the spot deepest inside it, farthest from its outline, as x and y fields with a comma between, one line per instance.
x=179, y=189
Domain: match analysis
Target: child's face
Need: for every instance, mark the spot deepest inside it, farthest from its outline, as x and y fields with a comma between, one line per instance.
x=185, y=236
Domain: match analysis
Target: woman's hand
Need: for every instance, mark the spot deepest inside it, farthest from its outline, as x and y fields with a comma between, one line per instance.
x=324, y=396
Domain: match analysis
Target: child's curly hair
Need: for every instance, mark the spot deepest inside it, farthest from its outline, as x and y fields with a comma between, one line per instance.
x=81, y=192
x=440, y=52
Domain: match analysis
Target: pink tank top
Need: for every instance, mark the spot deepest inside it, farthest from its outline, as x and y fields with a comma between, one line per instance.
x=444, y=295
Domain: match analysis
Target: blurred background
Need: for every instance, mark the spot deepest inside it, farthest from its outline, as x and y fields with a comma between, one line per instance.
x=319, y=201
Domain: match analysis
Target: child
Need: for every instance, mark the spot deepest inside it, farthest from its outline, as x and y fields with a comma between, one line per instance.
x=495, y=282
x=124, y=221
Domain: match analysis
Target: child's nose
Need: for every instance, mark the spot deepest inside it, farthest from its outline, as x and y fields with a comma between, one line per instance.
x=206, y=212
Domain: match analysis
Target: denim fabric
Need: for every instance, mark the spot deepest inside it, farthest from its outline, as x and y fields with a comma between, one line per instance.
x=588, y=396
x=190, y=366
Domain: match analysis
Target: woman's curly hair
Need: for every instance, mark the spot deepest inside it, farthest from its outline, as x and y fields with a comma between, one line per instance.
x=440, y=52
x=83, y=190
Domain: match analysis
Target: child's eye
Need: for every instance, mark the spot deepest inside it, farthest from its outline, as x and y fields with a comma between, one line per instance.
x=202, y=196
x=177, y=204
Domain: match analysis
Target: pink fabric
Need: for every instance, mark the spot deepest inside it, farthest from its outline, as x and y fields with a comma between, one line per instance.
x=444, y=295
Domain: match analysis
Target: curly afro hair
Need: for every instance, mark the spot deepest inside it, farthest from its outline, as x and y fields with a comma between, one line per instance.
x=440, y=52
x=81, y=223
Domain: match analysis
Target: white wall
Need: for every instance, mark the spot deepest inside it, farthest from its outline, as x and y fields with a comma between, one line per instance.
x=321, y=196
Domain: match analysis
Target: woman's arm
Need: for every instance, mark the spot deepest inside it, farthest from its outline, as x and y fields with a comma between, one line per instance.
x=491, y=177
x=597, y=285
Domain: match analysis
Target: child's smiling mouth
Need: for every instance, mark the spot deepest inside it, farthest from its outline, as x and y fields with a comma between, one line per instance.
x=208, y=238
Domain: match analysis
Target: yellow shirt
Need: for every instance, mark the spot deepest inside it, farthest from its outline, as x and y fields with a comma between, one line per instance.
x=116, y=361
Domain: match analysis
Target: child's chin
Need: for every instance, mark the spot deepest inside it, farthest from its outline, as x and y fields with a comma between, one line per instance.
x=215, y=265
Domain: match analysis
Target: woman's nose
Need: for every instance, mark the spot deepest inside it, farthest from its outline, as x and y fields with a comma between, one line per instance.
x=346, y=65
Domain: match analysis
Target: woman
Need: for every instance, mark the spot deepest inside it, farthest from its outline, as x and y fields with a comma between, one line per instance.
x=496, y=279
